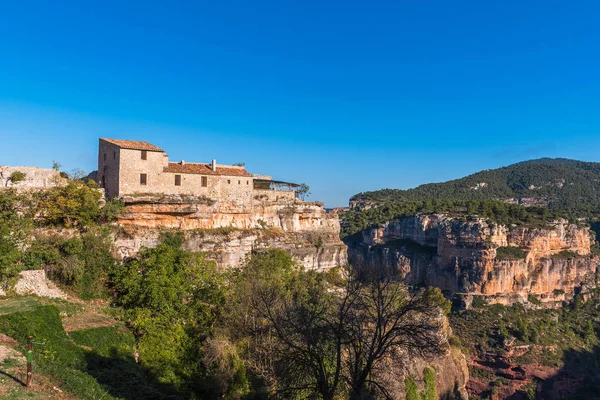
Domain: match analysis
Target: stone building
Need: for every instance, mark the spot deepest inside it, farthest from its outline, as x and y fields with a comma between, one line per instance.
x=129, y=167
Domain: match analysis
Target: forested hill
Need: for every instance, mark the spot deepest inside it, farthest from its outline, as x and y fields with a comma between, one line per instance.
x=559, y=183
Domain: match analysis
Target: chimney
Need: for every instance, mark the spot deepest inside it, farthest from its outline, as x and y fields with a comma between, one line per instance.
x=182, y=162
x=214, y=165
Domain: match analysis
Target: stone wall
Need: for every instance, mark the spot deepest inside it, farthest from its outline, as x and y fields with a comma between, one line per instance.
x=109, y=161
x=35, y=178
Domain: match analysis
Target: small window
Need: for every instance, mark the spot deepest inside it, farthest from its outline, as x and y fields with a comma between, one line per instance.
x=177, y=180
x=103, y=181
x=104, y=156
x=114, y=155
x=229, y=181
x=239, y=182
x=204, y=181
x=247, y=182
x=144, y=155
x=143, y=179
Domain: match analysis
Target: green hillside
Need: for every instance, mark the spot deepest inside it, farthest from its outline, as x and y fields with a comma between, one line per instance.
x=559, y=183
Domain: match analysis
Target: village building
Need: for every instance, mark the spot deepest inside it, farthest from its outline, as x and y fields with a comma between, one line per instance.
x=129, y=167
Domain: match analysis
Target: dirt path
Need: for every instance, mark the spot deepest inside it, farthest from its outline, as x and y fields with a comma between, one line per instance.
x=89, y=319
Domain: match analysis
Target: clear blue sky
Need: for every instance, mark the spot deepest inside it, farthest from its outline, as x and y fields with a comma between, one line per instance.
x=345, y=96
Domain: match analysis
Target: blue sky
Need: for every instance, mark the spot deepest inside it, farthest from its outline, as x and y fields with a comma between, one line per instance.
x=345, y=96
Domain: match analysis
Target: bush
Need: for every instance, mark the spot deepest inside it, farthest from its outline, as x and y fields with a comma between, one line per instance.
x=430, y=391
x=74, y=204
x=410, y=387
x=111, y=210
x=171, y=298
x=510, y=253
x=566, y=254
x=81, y=263
x=9, y=256
x=479, y=302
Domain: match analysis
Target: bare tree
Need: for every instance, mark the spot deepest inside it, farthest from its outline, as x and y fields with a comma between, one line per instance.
x=386, y=317
x=319, y=340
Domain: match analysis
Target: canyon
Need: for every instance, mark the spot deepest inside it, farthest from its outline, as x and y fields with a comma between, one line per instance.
x=467, y=257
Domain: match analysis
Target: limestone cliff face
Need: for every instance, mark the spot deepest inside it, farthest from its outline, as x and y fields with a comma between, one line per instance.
x=461, y=256
x=228, y=232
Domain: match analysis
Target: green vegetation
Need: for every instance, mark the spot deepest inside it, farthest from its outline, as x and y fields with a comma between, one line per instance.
x=510, y=253
x=15, y=177
x=562, y=184
x=570, y=327
x=91, y=364
x=171, y=299
x=411, y=388
x=80, y=263
x=494, y=211
x=71, y=205
x=566, y=254
x=428, y=393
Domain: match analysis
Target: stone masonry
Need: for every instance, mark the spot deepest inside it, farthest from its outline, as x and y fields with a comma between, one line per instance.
x=127, y=167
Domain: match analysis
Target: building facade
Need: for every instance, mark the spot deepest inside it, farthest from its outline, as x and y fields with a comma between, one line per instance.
x=128, y=167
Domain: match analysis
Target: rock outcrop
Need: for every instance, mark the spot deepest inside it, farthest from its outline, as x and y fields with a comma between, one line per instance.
x=229, y=232
x=35, y=177
x=478, y=258
x=35, y=282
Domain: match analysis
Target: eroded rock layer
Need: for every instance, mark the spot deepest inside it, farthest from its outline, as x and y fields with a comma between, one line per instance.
x=479, y=258
x=229, y=232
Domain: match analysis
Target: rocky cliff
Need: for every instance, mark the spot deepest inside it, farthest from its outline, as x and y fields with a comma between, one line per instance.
x=506, y=264
x=228, y=232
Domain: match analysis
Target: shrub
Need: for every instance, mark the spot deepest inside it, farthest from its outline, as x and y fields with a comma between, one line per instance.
x=510, y=253
x=410, y=387
x=534, y=300
x=16, y=176
x=429, y=393
x=71, y=205
x=566, y=254
x=479, y=302
x=111, y=210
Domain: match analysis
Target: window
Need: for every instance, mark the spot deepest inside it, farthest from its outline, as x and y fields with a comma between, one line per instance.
x=229, y=181
x=144, y=155
x=103, y=181
x=204, y=181
x=247, y=182
x=143, y=179
x=239, y=182
x=104, y=156
x=114, y=155
x=177, y=180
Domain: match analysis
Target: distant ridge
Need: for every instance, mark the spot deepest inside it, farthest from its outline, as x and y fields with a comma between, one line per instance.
x=559, y=183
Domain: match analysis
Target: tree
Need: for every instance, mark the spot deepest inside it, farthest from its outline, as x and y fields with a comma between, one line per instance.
x=303, y=191
x=76, y=203
x=385, y=317
x=311, y=338
x=15, y=177
x=171, y=300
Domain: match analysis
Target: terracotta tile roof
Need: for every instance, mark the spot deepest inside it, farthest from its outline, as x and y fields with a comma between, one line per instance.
x=133, y=144
x=205, y=169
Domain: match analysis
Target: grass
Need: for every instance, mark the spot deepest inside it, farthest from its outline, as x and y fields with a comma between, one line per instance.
x=95, y=363
x=29, y=303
